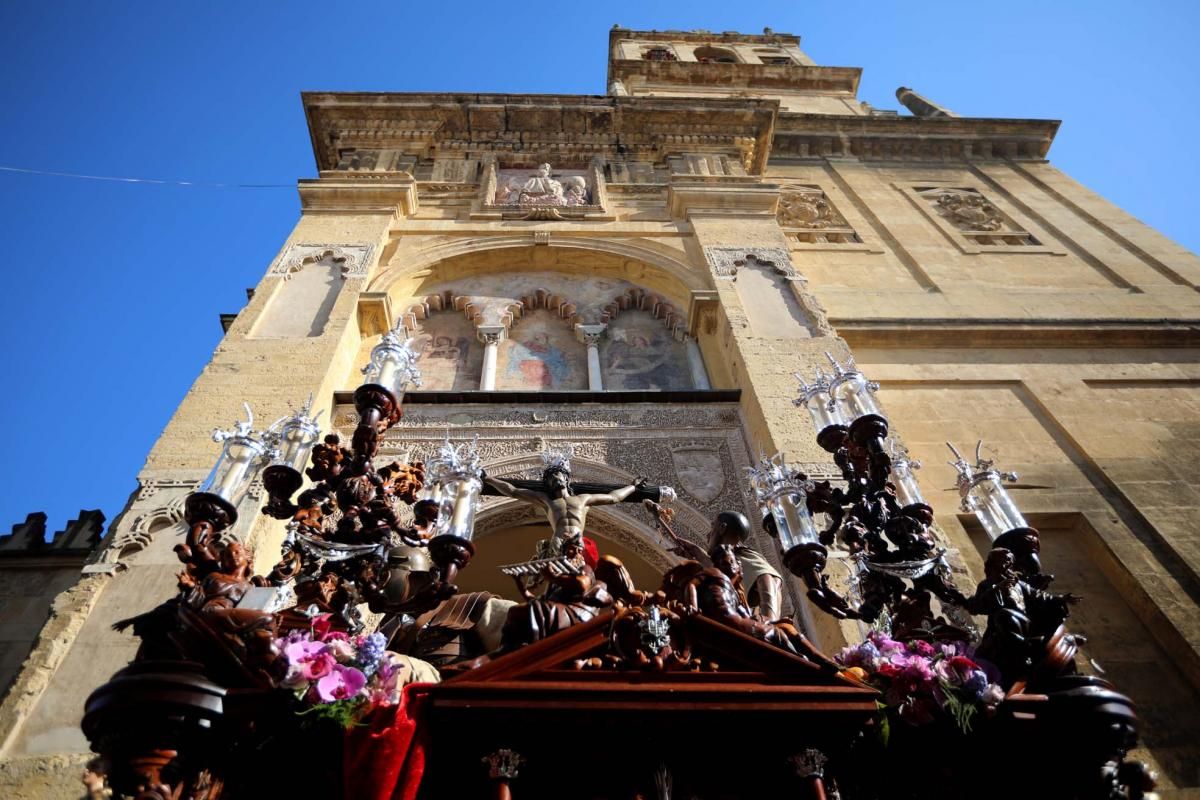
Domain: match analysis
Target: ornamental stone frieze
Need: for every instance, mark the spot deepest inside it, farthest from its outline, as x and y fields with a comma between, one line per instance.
x=659, y=444
x=353, y=260
x=726, y=261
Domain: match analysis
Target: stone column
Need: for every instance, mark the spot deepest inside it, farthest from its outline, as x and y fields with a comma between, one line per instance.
x=491, y=336
x=696, y=362
x=590, y=335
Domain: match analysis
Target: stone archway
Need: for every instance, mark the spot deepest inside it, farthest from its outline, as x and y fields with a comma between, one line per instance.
x=409, y=272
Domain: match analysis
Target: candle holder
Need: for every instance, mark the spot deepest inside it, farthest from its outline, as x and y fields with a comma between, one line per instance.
x=826, y=416
x=456, y=473
x=781, y=494
x=854, y=397
x=981, y=489
x=212, y=508
x=292, y=439
x=392, y=369
x=908, y=493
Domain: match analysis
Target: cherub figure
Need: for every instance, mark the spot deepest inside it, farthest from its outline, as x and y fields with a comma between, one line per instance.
x=1021, y=618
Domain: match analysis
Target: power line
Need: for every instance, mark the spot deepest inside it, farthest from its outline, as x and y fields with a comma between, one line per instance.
x=200, y=184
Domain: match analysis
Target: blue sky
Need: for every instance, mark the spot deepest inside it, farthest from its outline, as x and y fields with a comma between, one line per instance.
x=114, y=290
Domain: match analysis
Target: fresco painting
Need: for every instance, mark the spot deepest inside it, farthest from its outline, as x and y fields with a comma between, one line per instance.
x=541, y=353
x=638, y=353
x=451, y=358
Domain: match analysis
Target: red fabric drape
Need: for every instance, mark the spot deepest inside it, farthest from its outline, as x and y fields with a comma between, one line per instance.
x=385, y=759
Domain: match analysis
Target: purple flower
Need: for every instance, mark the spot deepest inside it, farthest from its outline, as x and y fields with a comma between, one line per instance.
x=864, y=655
x=341, y=683
x=976, y=684
x=370, y=651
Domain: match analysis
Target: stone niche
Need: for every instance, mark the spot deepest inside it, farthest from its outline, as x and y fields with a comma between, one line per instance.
x=543, y=191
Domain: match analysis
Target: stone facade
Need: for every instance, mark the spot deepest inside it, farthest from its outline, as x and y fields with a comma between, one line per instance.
x=748, y=213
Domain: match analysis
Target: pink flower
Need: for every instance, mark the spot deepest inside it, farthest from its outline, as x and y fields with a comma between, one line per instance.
x=321, y=625
x=341, y=649
x=318, y=667
x=922, y=648
x=341, y=683
x=300, y=651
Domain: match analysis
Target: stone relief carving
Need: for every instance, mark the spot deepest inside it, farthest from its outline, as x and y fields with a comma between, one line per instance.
x=455, y=170
x=353, y=259
x=149, y=488
x=358, y=160
x=610, y=445
x=808, y=212
x=807, y=209
x=699, y=471
x=494, y=417
x=726, y=261
x=544, y=193
x=970, y=211
x=967, y=215
x=541, y=188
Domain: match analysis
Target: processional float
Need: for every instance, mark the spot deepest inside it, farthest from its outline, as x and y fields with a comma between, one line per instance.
x=239, y=676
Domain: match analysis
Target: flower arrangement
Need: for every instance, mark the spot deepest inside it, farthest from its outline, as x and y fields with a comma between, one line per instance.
x=922, y=680
x=340, y=677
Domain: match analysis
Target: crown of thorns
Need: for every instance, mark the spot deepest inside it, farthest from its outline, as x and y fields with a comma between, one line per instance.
x=557, y=459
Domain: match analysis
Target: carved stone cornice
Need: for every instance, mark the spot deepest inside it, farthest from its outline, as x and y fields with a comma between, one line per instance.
x=726, y=196
x=578, y=128
x=561, y=128
x=895, y=138
x=391, y=192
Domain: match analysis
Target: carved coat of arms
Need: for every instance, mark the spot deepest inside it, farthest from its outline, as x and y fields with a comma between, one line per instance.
x=700, y=471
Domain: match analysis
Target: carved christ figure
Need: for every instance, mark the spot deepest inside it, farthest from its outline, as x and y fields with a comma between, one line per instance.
x=541, y=188
x=566, y=512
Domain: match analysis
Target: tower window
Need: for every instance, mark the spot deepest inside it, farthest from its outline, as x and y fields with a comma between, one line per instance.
x=658, y=54
x=776, y=60
x=715, y=55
